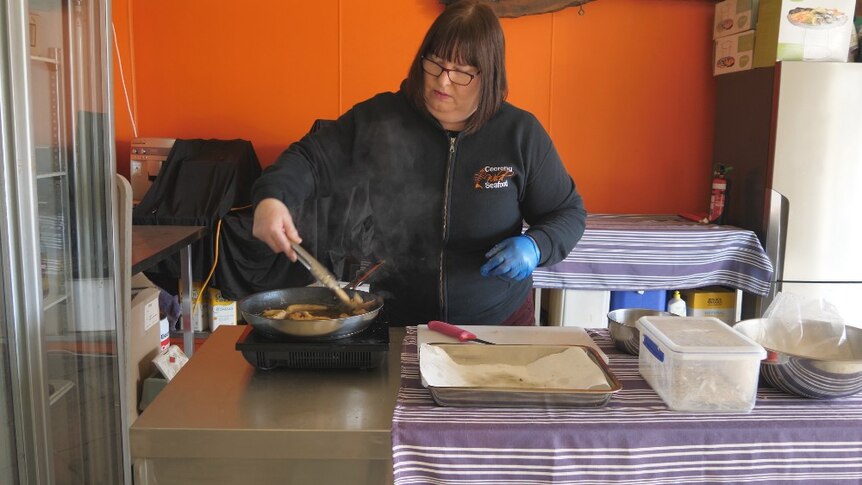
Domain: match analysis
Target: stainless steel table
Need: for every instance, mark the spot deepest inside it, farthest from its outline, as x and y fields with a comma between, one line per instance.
x=151, y=244
x=222, y=421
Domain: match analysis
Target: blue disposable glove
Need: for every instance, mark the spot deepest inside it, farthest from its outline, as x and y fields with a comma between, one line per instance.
x=514, y=258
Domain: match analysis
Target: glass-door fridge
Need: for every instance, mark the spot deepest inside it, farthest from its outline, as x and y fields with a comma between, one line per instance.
x=60, y=340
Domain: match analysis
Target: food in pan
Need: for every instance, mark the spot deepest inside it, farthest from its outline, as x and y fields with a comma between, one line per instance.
x=295, y=312
x=816, y=17
x=306, y=311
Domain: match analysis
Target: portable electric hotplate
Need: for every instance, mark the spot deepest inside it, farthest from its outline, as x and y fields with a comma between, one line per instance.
x=363, y=350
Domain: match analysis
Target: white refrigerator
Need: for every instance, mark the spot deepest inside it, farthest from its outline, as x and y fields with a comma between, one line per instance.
x=793, y=137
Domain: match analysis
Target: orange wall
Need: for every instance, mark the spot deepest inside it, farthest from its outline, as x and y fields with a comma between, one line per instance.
x=625, y=90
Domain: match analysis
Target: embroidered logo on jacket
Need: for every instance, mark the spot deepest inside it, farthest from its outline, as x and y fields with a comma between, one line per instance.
x=492, y=177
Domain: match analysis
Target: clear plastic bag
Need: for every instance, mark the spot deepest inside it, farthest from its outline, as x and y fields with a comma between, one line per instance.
x=804, y=326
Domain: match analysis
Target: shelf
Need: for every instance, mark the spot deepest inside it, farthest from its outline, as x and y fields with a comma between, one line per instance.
x=53, y=300
x=46, y=60
x=177, y=339
x=57, y=388
x=176, y=334
x=42, y=176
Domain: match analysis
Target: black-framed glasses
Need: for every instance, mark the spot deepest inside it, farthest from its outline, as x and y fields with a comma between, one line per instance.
x=460, y=78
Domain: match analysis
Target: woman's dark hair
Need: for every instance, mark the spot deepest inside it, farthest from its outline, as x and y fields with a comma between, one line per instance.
x=467, y=32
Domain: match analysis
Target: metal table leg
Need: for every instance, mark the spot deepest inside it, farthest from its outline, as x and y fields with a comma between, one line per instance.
x=188, y=316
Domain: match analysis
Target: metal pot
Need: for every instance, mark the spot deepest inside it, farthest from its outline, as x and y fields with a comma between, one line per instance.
x=624, y=332
x=805, y=373
x=253, y=306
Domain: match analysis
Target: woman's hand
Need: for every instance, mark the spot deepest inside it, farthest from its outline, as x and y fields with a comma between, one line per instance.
x=514, y=258
x=274, y=226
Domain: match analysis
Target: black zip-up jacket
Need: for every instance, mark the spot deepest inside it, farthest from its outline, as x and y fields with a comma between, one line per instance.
x=439, y=203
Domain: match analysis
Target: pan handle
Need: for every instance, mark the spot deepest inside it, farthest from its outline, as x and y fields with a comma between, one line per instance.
x=362, y=278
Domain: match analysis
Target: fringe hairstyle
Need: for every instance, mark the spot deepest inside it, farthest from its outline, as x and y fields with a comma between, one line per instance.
x=467, y=32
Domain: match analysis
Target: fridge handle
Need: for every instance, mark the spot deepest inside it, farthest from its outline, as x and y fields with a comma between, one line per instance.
x=777, y=212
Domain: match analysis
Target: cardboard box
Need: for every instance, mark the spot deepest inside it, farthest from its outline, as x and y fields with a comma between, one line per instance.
x=734, y=16
x=222, y=310
x=803, y=30
x=143, y=337
x=733, y=53
x=711, y=301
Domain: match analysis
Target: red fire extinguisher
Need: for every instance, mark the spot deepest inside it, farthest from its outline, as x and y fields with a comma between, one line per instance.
x=719, y=189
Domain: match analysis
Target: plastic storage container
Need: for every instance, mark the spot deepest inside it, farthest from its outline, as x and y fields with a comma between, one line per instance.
x=699, y=363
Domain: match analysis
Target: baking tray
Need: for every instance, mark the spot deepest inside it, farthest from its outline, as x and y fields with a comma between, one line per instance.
x=544, y=375
x=515, y=334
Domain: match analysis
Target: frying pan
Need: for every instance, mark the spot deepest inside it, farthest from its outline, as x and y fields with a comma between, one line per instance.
x=253, y=306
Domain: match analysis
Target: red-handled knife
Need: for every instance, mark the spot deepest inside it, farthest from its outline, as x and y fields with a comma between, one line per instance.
x=455, y=332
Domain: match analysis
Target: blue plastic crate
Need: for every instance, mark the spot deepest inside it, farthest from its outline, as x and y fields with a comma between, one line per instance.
x=649, y=299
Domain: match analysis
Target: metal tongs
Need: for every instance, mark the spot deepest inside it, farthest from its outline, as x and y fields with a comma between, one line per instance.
x=323, y=275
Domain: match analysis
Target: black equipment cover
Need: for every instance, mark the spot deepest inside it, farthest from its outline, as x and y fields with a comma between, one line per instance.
x=198, y=184
x=204, y=181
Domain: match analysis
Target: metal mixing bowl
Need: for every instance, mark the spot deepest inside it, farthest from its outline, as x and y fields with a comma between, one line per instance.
x=621, y=324
x=802, y=373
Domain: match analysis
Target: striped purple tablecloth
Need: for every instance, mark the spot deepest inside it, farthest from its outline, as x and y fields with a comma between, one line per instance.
x=635, y=439
x=659, y=252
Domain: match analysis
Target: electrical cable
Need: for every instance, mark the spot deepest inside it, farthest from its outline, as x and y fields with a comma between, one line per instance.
x=199, y=298
x=123, y=81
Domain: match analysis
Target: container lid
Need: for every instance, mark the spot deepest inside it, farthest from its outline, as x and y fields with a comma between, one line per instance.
x=698, y=335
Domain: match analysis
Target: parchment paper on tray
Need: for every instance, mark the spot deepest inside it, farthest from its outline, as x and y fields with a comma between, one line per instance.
x=516, y=375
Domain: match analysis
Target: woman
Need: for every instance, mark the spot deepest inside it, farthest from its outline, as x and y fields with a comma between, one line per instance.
x=453, y=171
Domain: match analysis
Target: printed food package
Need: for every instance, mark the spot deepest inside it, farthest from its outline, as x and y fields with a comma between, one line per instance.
x=803, y=30
x=734, y=16
x=200, y=311
x=711, y=301
x=733, y=53
x=222, y=310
